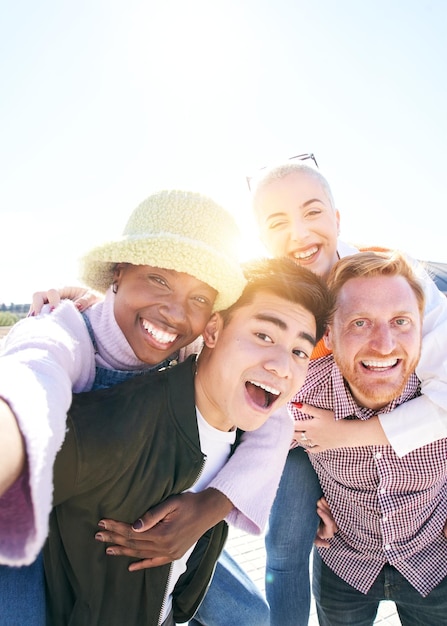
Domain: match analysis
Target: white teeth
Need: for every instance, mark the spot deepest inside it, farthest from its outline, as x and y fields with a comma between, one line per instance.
x=307, y=254
x=265, y=387
x=380, y=364
x=159, y=335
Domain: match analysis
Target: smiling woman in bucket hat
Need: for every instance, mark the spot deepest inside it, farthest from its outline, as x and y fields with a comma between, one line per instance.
x=176, y=260
x=178, y=230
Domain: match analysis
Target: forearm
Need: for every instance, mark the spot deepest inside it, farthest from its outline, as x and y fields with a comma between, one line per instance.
x=414, y=424
x=36, y=377
x=251, y=476
x=12, y=448
x=215, y=507
x=41, y=422
x=323, y=432
x=361, y=433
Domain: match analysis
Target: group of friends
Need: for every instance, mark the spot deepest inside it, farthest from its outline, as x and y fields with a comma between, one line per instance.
x=199, y=393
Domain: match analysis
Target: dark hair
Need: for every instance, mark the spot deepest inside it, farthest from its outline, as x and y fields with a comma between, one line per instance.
x=286, y=279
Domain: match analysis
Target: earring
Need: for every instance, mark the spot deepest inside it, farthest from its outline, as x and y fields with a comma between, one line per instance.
x=115, y=286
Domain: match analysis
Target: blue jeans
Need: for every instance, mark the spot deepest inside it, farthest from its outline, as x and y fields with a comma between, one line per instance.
x=232, y=598
x=22, y=595
x=292, y=527
x=339, y=604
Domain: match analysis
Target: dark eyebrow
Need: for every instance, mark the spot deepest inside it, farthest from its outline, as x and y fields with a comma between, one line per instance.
x=283, y=326
x=310, y=338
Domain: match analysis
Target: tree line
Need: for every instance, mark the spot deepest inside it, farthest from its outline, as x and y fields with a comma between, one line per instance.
x=11, y=314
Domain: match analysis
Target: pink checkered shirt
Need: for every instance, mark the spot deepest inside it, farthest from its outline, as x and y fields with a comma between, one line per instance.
x=388, y=509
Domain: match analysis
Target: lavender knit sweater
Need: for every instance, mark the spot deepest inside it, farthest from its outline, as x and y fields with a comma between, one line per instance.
x=43, y=360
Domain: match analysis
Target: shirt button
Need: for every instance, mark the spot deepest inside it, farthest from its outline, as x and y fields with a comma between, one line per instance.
x=378, y=456
x=387, y=547
x=382, y=490
x=385, y=518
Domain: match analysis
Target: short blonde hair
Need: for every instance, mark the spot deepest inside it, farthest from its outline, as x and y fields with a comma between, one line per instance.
x=370, y=264
x=280, y=171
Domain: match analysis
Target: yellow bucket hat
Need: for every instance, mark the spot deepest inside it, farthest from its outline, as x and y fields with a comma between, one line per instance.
x=177, y=230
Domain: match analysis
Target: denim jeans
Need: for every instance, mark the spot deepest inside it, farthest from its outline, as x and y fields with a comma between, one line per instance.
x=232, y=598
x=339, y=604
x=22, y=595
x=292, y=526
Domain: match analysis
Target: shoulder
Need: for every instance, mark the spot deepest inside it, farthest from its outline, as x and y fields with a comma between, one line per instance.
x=345, y=249
x=60, y=337
x=137, y=396
x=319, y=374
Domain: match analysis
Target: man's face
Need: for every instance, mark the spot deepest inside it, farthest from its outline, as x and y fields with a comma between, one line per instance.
x=256, y=363
x=376, y=337
x=296, y=219
x=159, y=310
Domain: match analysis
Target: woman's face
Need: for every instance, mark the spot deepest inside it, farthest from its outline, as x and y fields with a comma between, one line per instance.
x=159, y=310
x=296, y=219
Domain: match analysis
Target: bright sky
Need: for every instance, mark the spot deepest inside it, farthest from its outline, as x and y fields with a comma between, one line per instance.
x=103, y=102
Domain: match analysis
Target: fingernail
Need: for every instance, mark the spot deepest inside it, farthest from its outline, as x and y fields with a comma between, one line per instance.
x=110, y=551
x=101, y=524
x=99, y=537
x=138, y=524
x=299, y=405
x=31, y=314
x=78, y=305
x=52, y=308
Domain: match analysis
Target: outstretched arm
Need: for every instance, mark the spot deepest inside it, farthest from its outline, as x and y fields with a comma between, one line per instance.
x=42, y=359
x=12, y=448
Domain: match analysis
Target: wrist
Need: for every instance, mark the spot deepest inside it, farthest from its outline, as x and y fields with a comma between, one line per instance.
x=215, y=506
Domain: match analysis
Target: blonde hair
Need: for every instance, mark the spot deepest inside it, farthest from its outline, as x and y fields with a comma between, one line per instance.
x=280, y=171
x=370, y=264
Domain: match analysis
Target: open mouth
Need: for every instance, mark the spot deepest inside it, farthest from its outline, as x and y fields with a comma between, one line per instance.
x=161, y=336
x=380, y=366
x=305, y=255
x=262, y=395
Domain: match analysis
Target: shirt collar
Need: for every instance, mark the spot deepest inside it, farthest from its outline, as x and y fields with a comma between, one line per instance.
x=345, y=406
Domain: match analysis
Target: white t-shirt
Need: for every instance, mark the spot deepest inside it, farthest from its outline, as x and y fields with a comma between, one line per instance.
x=216, y=446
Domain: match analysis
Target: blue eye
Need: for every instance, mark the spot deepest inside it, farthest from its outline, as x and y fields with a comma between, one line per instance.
x=402, y=321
